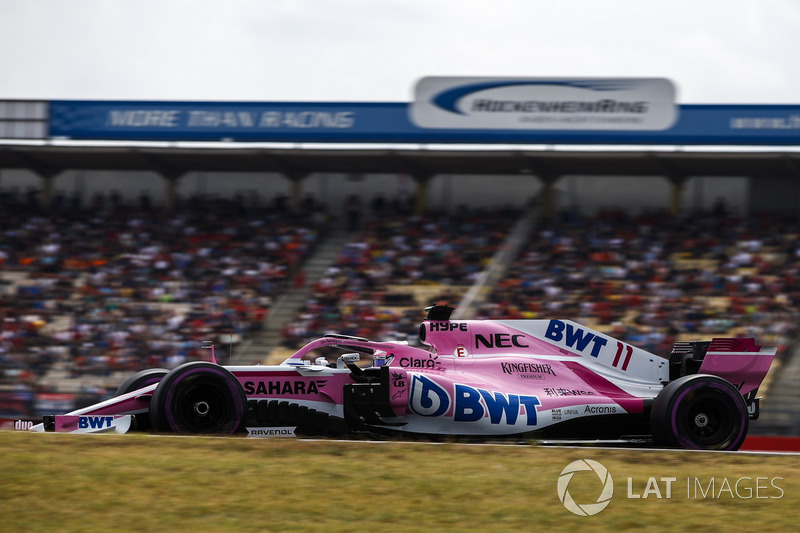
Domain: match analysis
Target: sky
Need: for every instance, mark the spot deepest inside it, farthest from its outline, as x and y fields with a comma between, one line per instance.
x=732, y=51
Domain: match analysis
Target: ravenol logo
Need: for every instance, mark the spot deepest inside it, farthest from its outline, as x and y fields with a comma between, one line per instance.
x=586, y=509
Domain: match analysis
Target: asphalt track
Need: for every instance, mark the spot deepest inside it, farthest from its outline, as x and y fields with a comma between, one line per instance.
x=757, y=445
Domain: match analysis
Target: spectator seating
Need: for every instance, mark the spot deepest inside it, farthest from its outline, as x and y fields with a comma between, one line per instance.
x=128, y=287
x=653, y=279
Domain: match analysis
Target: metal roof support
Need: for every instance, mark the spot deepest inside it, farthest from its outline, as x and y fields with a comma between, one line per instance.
x=793, y=169
x=295, y=188
x=548, y=194
x=47, y=178
x=45, y=171
x=548, y=176
x=421, y=192
x=171, y=182
x=676, y=193
x=47, y=191
x=673, y=173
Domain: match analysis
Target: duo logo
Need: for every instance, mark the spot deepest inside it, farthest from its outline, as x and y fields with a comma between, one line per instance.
x=428, y=398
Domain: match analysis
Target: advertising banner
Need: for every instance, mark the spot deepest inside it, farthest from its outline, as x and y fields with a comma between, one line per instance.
x=643, y=115
x=544, y=103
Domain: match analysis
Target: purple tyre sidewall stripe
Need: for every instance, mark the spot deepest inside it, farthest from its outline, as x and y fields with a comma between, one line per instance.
x=168, y=411
x=683, y=441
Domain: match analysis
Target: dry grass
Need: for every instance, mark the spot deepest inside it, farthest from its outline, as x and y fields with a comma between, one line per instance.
x=142, y=483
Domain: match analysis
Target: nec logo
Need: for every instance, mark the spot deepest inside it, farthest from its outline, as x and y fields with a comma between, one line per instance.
x=500, y=340
x=574, y=337
x=95, y=422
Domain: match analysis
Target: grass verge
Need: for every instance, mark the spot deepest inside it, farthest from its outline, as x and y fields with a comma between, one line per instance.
x=55, y=482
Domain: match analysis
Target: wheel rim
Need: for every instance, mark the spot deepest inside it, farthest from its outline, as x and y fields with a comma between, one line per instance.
x=708, y=421
x=202, y=406
x=706, y=417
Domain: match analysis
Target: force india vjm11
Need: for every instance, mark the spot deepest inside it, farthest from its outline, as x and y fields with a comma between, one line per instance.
x=484, y=379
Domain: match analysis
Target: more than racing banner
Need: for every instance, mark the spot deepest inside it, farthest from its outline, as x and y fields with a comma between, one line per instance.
x=387, y=122
x=544, y=103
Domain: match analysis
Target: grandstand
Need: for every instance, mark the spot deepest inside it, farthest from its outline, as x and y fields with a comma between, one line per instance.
x=127, y=253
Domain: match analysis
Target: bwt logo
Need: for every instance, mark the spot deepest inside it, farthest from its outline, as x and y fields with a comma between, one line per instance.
x=574, y=337
x=428, y=398
x=95, y=422
x=566, y=477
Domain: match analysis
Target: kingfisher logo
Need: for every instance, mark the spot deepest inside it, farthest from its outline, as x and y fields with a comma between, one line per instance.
x=545, y=103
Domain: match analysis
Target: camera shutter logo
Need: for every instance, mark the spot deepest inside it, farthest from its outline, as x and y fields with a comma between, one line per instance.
x=586, y=509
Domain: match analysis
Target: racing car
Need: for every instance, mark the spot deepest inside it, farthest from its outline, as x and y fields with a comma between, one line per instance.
x=542, y=379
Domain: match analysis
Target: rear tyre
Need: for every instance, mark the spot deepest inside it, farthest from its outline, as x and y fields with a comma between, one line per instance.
x=700, y=412
x=198, y=398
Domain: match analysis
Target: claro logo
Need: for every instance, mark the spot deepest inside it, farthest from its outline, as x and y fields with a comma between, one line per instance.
x=413, y=362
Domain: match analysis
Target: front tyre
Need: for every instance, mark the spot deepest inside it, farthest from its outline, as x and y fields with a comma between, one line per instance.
x=140, y=380
x=700, y=412
x=199, y=398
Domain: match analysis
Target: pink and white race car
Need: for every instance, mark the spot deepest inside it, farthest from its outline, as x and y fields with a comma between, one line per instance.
x=481, y=379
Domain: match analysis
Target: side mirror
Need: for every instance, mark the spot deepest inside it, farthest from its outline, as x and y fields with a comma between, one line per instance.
x=344, y=359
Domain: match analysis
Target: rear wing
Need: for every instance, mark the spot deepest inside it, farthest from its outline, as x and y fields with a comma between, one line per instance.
x=740, y=361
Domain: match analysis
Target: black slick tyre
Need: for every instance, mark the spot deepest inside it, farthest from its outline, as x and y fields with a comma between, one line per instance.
x=198, y=398
x=141, y=379
x=137, y=381
x=699, y=412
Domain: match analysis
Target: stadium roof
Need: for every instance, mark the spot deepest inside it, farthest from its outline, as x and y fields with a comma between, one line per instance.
x=51, y=160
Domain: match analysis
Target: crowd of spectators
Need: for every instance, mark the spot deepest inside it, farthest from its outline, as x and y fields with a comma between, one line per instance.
x=366, y=292
x=114, y=286
x=652, y=278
